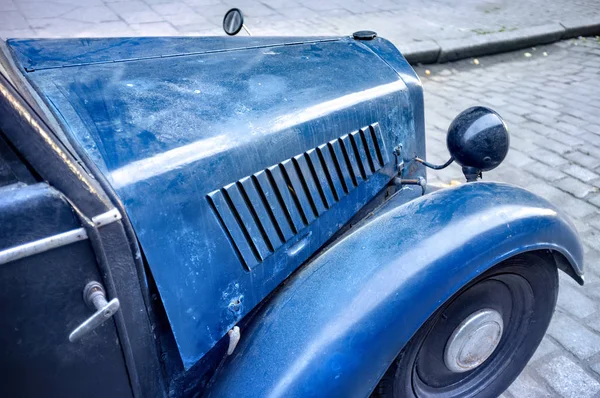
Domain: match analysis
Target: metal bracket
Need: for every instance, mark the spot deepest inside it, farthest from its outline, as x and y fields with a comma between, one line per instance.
x=399, y=159
x=94, y=296
x=234, y=338
x=106, y=218
x=420, y=181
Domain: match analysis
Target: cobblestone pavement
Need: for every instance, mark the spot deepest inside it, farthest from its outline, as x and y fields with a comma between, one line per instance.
x=401, y=21
x=549, y=99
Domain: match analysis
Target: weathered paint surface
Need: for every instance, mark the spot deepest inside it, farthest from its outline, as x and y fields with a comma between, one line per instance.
x=338, y=323
x=171, y=120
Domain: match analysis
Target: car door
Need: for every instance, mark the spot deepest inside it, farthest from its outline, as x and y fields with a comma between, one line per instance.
x=42, y=279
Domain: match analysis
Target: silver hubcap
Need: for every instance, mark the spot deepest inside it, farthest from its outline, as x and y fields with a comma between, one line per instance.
x=474, y=340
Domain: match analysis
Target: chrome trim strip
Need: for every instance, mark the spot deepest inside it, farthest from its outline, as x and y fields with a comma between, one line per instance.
x=55, y=241
x=42, y=245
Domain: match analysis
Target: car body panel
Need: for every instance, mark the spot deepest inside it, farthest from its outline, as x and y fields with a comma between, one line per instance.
x=235, y=160
x=337, y=325
x=42, y=154
x=35, y=54
x=42, y=303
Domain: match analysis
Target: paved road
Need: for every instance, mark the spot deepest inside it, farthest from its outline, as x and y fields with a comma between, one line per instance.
x=402, y=21
x=550, y=102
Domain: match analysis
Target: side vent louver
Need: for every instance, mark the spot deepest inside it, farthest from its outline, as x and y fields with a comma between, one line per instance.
x=263, y=211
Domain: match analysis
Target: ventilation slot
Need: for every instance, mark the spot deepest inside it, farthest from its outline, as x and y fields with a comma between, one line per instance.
x=261, y=212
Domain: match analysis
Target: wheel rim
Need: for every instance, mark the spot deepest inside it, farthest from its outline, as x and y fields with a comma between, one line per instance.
x=504, y=299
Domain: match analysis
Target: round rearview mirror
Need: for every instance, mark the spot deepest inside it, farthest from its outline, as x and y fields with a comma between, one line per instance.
x=478, y=139
x=233, y=22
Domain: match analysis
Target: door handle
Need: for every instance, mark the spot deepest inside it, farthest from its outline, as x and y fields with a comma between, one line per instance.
x=94, y=296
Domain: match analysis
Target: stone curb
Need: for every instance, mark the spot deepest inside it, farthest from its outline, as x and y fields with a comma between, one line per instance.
x=429, y=51
x=420, y=52
x=581, y=27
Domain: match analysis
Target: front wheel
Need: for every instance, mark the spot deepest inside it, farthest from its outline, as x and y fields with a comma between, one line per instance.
x=479, y=341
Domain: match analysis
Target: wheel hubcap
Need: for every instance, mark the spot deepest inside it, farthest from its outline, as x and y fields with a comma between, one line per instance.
x=473, y=341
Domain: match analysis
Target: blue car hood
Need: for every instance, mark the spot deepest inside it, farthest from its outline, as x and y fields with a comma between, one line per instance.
x=236, y=159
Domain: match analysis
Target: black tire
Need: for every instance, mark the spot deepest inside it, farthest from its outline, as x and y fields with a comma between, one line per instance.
x=523, y=290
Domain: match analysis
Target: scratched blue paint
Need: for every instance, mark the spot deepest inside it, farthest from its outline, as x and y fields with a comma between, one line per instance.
x=344, y=317
x=171, y=120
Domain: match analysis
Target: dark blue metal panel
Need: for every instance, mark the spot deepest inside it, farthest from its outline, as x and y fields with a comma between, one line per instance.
x=277, y=212
x=299, y=195
x=332, y=153
x=282, y=189
x=371, y=148
x=308, y=181
x=249, y=224
x=38, y=54
x=263, y=218
x=349, y=154
x=179, y=126
x=357, y=143
x=390, y=54
x=338, y=324
x=323, y=184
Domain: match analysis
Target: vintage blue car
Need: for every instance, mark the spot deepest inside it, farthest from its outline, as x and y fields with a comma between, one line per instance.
x=249, y=217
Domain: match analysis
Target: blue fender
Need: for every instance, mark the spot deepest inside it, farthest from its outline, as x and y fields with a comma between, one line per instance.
x=337, y=324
